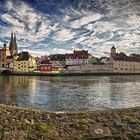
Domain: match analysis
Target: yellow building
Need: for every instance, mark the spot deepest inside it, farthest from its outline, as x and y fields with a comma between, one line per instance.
x=24, y=62
x=123, y=63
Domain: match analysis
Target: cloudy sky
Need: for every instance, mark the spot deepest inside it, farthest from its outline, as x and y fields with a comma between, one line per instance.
x=59, y=26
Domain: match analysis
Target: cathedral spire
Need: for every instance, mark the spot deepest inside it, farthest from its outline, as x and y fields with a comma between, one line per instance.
x=15, y=37
x=13, y=44
x=11, y=36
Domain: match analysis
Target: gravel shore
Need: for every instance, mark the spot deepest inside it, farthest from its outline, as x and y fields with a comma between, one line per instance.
x=28, y=124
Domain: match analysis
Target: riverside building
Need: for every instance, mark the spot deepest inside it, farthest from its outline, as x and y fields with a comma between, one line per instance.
x=8, y=53
x=123, y=63
x=24, y=62
x=4, y=52
x=77, y=58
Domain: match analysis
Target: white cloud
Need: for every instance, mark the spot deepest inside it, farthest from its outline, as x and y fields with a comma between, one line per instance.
x=55, y=26
x=26, y=22
x=66, y=18
x=97, y=32
x=86, y=19
x=64, y=35
x=9, y=5
x=81, y=39
x=60, y=51
x=36, y=53
x=134, y=21
x=10, y=19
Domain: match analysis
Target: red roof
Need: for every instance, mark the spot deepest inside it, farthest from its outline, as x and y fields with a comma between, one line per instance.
x=9, y=57
x=82, y=54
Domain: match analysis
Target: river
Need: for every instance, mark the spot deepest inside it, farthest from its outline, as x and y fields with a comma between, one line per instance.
x=75, y=93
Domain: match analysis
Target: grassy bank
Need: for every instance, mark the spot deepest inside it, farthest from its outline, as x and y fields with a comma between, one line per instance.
x=27, y=124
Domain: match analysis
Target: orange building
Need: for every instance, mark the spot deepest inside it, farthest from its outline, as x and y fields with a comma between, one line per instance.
x=4, y=52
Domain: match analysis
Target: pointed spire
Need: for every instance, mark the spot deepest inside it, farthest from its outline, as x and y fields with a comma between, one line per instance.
x=15, y=36
x=11, y=36
x=13, y=44
x=15, y=39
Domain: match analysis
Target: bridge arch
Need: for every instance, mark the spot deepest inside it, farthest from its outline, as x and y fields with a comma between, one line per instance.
x=6, y=72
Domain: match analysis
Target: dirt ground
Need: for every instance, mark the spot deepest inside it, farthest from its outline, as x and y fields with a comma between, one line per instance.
x=27, y=124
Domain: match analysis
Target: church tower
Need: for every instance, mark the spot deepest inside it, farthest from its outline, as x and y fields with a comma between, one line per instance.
x=113, y=51
x=13, y=45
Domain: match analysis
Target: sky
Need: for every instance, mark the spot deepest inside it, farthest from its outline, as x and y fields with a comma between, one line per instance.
x=46, y=27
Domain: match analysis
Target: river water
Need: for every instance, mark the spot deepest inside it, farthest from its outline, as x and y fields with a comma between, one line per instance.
x=83, y=93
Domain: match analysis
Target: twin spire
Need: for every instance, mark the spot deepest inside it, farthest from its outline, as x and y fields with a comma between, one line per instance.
x=13, y=45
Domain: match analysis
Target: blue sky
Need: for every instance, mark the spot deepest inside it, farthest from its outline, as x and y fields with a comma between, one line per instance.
x=60, y=26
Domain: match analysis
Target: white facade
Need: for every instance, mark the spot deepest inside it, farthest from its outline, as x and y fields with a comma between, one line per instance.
x=57, y=63
x=70, y=61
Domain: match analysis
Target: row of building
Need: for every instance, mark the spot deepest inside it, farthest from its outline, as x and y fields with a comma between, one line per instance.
x=80, y=61
x=14, y=61
x=25, y=62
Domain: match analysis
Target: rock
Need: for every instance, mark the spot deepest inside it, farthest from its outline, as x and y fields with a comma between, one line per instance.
x=100, y=132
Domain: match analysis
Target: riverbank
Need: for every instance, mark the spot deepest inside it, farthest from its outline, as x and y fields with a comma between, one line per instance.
x=65, y=73
x=23, y=124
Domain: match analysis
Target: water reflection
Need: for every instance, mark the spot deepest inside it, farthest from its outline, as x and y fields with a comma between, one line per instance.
x=70, y=93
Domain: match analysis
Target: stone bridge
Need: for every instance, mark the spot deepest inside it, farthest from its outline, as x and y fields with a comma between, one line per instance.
x=5, y=70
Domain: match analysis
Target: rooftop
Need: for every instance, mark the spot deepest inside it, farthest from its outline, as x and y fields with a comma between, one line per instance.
x=23, y=56
x=123, y=57
x=57, y=57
